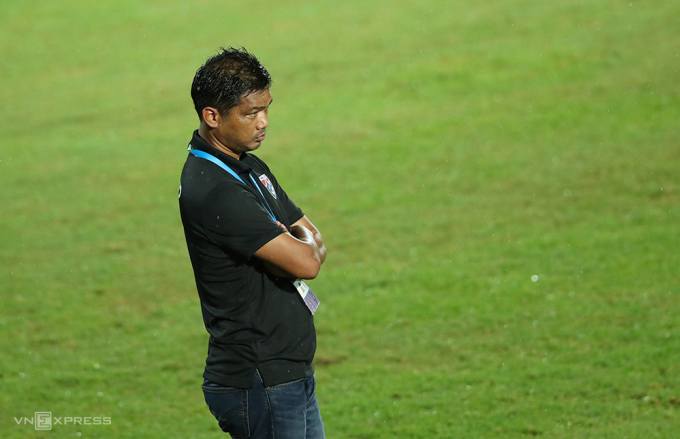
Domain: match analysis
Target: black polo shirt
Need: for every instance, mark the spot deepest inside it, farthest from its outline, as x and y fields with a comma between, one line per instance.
x=255, y=320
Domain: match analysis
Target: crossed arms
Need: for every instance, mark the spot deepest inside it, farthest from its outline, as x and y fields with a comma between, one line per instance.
x=298, y=253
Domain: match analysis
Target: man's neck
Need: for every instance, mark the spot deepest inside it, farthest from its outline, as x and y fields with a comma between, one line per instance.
x=207, y=134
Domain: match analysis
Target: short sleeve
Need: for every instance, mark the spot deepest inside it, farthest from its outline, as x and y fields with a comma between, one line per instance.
x=234, y=218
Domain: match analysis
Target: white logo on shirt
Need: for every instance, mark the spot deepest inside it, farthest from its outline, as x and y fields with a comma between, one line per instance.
x=268, y=184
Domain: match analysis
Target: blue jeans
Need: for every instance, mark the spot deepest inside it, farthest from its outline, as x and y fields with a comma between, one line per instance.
x=285, y=411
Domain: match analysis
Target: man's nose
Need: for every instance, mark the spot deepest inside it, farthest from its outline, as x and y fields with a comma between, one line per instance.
x=262, y=121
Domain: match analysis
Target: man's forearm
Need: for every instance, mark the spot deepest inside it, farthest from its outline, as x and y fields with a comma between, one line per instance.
x=322, y=248
x=294, y=254
x=277, y=271
x=305, y=235
x=304, y=221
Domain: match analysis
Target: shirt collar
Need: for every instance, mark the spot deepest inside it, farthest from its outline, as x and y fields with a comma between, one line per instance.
x=238, y=166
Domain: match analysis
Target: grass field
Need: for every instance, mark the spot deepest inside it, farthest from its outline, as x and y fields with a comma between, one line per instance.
x=498, y=185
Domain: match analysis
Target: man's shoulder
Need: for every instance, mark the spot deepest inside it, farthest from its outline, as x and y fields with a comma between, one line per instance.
x=201, y=178
x=202, y=171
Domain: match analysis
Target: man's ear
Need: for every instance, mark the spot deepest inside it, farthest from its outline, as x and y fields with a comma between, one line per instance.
x=211, y=116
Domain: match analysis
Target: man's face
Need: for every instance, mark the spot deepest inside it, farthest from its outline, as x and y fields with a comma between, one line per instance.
x=243, y=129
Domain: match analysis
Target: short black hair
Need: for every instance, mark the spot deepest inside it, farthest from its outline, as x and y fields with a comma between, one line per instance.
x=226, y=78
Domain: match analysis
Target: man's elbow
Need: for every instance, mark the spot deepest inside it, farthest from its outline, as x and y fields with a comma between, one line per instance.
x=309, y=270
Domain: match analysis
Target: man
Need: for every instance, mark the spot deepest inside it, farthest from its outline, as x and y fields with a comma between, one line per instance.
x=249, y=246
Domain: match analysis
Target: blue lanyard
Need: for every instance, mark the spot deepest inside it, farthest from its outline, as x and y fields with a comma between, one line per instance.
x=215, y=160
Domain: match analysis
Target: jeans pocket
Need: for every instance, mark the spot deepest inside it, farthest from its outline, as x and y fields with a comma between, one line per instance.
x=286, y=384
x=312, y=389
x=229, y=405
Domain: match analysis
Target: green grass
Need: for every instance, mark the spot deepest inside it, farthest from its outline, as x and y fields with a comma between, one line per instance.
x=447, y=151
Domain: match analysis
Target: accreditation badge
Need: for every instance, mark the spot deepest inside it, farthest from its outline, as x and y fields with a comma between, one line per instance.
x=307, y=295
